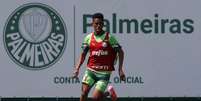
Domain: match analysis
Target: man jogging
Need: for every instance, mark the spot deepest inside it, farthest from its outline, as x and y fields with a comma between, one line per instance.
x=103, y=49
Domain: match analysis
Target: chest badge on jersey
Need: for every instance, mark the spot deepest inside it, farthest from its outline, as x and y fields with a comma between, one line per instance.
x=104, y=44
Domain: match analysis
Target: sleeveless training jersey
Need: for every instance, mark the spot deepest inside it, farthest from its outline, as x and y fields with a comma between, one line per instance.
x=102, y=54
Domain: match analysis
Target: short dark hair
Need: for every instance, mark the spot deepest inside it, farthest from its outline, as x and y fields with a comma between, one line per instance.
x=98, y=15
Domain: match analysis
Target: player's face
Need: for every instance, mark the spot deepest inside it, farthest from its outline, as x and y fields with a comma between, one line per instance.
x=98, y=25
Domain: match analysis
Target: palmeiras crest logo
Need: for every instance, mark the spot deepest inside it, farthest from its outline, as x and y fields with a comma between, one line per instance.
x=35, y=36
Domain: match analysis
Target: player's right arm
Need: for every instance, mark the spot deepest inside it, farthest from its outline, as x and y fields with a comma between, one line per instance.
x=85, y=49
x=80, y=62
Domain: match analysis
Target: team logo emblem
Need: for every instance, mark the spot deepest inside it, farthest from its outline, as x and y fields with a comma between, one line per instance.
x=104, y=44
x=35, y=36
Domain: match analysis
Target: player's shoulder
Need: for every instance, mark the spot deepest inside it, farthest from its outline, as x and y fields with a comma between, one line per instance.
x=112, y=39
x=87, y=38
x=112, y=36
x=88, y=35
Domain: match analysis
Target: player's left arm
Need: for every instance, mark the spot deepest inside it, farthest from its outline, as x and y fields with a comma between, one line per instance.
x=117, y=47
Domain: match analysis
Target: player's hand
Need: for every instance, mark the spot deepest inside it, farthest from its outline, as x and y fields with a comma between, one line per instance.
x=75, y=73
x=122, y=75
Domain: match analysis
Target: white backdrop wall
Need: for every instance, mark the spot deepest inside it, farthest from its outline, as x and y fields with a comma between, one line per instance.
x=162, y=48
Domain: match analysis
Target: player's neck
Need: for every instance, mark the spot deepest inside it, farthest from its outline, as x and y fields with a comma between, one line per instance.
x=99, y=33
